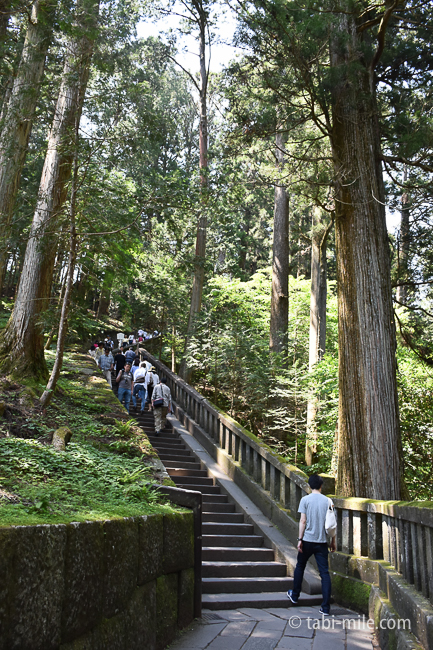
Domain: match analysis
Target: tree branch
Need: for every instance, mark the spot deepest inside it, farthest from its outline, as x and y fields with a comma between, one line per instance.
x=406, y=161
x=381, y=34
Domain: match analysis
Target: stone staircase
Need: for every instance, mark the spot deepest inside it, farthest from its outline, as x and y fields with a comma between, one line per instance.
x=238, y=570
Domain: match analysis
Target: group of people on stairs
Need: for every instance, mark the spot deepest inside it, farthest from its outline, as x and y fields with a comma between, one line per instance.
x=140, y=380
x=136, y=379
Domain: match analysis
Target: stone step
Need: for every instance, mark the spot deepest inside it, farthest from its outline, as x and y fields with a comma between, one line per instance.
x=243, y=569
x=164, y=448
x=213, y=498
x=199, y=477
x=238, y=541
x=230, y=554
x=260, y=601
x=225, y=528
x=186, y=466
x=170, y=457
x=227, y=517
x=208, y=490
x=166, y=440
x=211, y=508
x=243, y=585
x=190, y=475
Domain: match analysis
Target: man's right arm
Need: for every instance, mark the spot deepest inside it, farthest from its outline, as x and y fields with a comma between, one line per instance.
x=302, y=526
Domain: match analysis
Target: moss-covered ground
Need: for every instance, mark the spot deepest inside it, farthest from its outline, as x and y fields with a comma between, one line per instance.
x=107, y=469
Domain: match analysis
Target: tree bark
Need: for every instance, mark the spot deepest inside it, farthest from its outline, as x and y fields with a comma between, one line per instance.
x=317, y=339
x=369, y=455
x=105, y=296
x=280, y=263
x=200, y=246
x=403, y=256
x=18, y=115
x=4, y=17
x=63, y=324
x=173, y=348
x=22, y=343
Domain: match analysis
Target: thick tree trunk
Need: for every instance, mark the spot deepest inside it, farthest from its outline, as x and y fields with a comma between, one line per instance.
x=18, y=115
x=317, y=340
x=369, y=455
x=105, y=296
x=280, y=263
x=200, y=246
x=63, y=324
x=403, y=256
x=22, y=344
x=4, y=17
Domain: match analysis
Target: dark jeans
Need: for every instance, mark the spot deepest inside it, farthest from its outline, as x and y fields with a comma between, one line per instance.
x=140, y=391
x=320, y=552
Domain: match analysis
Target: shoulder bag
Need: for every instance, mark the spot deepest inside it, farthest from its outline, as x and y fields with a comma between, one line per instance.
x=330, y=520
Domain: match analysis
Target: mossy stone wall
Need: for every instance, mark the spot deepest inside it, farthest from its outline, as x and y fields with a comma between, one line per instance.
x=122, y=584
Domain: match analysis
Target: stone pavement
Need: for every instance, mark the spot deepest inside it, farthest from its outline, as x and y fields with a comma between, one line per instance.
x=294, y=628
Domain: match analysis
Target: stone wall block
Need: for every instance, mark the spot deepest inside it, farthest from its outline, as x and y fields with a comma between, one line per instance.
x=141, y=622
x=36, y=601
x=186, y=598
x=121, y=564
x=7, y=550
x=111, y=633
x=150, y=547
x=89, y=641
x=178, y=542
x=166, y=609
x=84, y=573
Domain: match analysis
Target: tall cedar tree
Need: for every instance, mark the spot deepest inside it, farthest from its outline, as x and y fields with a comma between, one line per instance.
x=22, y=341
x=280, y=260
x=18, y=116
x=198, y=15
x=330, y=56
x=317, y=337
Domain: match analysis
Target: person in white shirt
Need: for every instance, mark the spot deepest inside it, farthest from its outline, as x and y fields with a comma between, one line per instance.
x=139, y=386
x=161, y=391
x=150, y=382
x=312, y=541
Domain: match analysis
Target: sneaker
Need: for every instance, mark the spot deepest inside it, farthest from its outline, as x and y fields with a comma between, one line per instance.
x=156, y=433
x=291, y=597
x=322, y=611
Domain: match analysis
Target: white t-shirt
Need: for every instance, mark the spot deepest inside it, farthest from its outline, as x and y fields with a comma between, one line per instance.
x=139, y=372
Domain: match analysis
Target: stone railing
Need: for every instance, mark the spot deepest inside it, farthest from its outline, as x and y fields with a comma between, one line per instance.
x=396, y=532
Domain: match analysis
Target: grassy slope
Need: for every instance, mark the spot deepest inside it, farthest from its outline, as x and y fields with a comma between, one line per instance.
x=106, y=468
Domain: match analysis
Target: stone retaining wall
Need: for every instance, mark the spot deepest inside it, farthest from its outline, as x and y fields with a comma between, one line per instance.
x=119, y=584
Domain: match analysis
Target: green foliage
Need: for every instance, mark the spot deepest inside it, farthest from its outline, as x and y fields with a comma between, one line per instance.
x=107, y=469
x=80, y=484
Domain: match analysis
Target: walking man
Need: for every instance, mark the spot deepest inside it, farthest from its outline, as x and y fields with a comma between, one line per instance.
x=130, y=355
x=119, y=360
x=161, y=391
x=106, y=364
x=312, y=541
x=150, y=382
x=125, y=379
x=99, y=351
x=139, y=388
